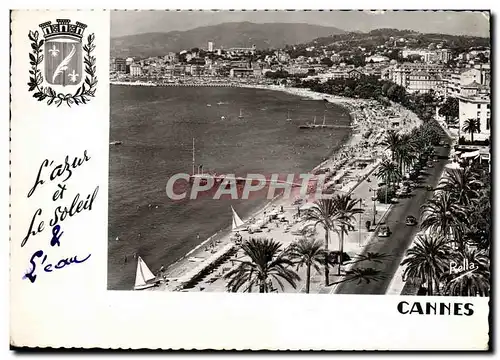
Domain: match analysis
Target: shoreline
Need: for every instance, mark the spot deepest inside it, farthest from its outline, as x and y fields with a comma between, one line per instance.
x=221, y=239
x=171, y=270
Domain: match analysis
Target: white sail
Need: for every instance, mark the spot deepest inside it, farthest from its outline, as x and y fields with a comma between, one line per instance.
x=143, y=275
x=237, y=222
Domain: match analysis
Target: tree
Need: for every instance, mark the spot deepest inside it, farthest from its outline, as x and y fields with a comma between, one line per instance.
x=462, y=184
x=389, y=172
x=471, y=126
x=480, y=220
x=427, y=260
x=405, y=152
x=324, y=213
x=392, y=141
x=347, y=208
x=266, y=262
x=308, y=253
x=326, y=61
x=471, y=282
x=444, y=215
x=449, y=109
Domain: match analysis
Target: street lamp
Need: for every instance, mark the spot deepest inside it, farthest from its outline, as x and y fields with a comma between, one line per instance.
x=374, y=198
x=359, y=227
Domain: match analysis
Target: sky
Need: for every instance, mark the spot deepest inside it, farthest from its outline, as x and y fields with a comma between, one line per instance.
x=445, y=22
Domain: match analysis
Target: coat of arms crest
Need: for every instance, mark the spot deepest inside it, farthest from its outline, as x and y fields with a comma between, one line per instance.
x=67, y=64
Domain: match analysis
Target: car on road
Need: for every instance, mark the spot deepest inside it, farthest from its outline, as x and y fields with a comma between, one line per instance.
x=384, y=231
x=429, y=188
x=411, y=220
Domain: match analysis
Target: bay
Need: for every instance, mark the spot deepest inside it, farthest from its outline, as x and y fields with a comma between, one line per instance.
x=156, y=126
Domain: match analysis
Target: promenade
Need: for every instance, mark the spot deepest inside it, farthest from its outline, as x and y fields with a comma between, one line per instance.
x=350, y=170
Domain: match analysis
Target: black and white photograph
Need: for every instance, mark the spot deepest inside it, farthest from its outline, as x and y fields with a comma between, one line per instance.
x=337, y=152
x=179, y=178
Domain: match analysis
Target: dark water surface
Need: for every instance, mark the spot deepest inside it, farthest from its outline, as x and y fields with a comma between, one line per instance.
x=157, y=125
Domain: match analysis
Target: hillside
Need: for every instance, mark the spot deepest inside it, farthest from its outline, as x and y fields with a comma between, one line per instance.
x=241, y=34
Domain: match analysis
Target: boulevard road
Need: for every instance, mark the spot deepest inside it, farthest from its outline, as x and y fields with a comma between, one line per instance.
x=402, y=235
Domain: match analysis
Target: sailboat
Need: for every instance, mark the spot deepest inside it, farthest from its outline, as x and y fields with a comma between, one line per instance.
x=309, y=125
x=288, y=118
x=241, y=115
x=144, y=278
x=237, y=222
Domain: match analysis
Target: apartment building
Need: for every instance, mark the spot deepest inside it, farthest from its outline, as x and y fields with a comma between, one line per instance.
x=474, y=103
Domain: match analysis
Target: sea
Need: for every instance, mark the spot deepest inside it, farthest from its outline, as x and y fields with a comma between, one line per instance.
x=156, y=126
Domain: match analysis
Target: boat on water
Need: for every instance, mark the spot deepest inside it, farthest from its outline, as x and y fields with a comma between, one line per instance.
x=288, y=118
x=144, y=278
x=117, y=142
x=241, y=115
x=309, y=125
x=237, y=224
x=204, y=176
x=221, y=103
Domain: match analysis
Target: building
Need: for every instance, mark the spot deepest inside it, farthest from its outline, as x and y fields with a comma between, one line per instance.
x=135, y=70
x=443, y=55
x=336, y=58
x=377, y=59
x=422, y=82
x=457, y=80
x=242, y=51
x=210, y=46
x=241, y=72
x=119, y=65
x=171, y=58
x=399, y=73
x=474, y=103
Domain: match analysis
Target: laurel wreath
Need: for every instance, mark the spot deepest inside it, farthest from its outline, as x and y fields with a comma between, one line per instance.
x=84, y=92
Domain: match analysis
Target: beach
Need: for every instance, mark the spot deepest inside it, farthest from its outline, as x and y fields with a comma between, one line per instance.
x=343, y=171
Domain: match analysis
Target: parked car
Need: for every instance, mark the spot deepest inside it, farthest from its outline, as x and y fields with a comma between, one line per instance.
x=446, y=146
x=430, y=165
x=411, y=220
x=429, y=188
x=384, y=231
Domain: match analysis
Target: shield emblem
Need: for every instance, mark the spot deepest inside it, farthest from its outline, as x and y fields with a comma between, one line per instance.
x=63, y=61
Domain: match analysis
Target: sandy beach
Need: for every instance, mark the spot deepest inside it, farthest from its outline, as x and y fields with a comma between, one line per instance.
x=344, y=171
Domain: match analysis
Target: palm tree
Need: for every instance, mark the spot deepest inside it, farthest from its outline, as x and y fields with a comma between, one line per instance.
x=392, y=141
x=462, y=184
x=309, y=253
x=473, y=281
x=324, y=213
x=471, y=126
x=266, y=262
x=443, y=215
x=480, y=223
x=405, y=152
x=388, y=170
x=346, y=207
x=427, y=260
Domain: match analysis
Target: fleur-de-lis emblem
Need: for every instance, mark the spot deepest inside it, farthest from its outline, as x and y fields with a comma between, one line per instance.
x=54, y=51
x=73, y=76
